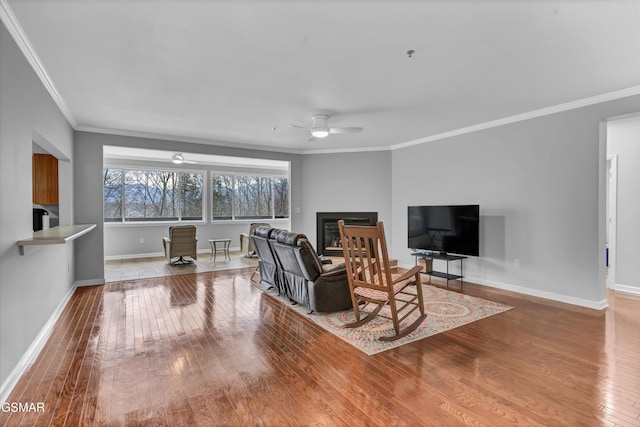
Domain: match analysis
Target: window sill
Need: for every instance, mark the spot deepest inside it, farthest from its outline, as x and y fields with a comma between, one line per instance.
x=151, y=223
x=171, y=223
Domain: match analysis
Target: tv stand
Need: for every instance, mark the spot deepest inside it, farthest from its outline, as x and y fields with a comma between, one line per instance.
x=442, y=256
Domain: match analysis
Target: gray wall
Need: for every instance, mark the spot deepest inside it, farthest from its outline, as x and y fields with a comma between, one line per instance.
x=126, y=240
x=540, y=187
x=32, y=286
x=348, y=182
x=133, y=241
x=623, y=139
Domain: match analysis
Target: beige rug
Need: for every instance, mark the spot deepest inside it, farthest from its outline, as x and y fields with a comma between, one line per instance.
x=445, y=310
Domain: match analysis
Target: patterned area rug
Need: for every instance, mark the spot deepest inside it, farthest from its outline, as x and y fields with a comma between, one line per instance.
x=445, y=310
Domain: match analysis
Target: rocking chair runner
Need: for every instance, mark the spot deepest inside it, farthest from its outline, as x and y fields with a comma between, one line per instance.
x=371, y=281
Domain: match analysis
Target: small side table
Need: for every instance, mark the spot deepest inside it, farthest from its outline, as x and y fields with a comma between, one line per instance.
x=220, y=245
x=446, y=257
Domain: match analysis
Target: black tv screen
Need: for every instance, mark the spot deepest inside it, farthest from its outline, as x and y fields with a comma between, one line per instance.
x=445, y=229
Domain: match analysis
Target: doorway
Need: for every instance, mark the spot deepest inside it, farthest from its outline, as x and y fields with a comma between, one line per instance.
x=611, y=219
x=620, y=183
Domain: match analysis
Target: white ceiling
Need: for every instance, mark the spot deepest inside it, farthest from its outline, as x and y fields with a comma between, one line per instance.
x=235, y=72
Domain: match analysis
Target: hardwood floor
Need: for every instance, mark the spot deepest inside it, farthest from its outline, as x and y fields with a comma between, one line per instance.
x=211, y=349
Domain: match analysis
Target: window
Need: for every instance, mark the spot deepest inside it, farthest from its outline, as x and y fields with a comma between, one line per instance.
x=222, y=197
x=239, y=197
x=191, y=195
x=152, y=195
x=281, y=197
x=112, y=194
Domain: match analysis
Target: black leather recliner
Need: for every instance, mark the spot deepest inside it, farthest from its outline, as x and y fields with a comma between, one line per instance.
x=267, y=261
x=302, y=276
x=305, y=278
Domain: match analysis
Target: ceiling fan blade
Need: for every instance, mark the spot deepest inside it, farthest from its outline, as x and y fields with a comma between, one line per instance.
x=346, y=130
x=297, y=127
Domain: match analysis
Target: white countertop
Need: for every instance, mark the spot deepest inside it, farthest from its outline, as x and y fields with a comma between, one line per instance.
x=55, y=235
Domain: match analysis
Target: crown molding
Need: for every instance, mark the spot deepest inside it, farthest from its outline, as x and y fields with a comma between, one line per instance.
x=610, y=96
x=346, y=150
x=15, y=29
x=585, y=102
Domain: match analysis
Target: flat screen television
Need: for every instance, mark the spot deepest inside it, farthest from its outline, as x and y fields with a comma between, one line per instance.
x=446, y=229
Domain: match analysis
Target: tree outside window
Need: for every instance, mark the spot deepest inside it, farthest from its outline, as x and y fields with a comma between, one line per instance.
x=281, y=197
x=192, y=187
x=252, y=197
x=112, y=194
x=133, y=195
x=242, y=197
x=152, y=195
x=222, y=197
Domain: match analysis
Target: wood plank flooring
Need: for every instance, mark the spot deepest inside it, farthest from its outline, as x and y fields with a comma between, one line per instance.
x=210, y=349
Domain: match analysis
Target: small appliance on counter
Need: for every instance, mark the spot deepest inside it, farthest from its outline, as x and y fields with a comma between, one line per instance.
x=40, y=219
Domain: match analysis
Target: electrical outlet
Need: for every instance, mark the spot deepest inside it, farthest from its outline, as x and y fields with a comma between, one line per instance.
x=142, y=240
x=516, y=263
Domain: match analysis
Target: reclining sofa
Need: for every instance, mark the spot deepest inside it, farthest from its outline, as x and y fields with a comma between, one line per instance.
x=289, y=264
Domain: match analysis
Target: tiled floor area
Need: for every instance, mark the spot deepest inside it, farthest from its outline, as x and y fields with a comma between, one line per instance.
x=140, y=268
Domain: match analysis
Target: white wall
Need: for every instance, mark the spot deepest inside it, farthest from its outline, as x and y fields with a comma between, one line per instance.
x=623, y=140
x=538, y=186
x=32, y=286
x=347, y=182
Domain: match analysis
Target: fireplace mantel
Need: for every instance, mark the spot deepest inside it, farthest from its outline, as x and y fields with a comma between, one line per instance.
x=328, y=236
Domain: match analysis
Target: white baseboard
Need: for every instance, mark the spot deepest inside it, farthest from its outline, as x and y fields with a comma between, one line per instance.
x=628, y=289
x=90, y=282
x=596, y=305
x=34, y=349
x=132, y=256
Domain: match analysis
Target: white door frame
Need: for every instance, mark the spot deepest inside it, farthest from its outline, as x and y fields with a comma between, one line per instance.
x=612, y=189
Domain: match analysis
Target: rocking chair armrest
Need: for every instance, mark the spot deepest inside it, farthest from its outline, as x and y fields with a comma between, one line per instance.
x=415, y=270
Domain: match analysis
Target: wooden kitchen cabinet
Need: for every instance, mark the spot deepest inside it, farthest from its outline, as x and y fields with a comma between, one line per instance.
x=45, y=179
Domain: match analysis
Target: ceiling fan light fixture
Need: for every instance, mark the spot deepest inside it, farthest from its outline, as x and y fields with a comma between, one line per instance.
x=319, y=127
x=177, y=159
x=319, y=133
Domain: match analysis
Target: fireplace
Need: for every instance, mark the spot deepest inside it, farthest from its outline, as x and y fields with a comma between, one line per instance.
x=328, y=235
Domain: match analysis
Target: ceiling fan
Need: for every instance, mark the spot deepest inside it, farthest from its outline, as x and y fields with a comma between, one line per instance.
x=178, y=159
x=320, y=128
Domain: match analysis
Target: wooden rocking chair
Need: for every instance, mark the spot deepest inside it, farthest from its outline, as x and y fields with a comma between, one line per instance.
x=371, y=281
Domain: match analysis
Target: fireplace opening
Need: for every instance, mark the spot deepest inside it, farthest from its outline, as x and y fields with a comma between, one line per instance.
x=328, y=235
